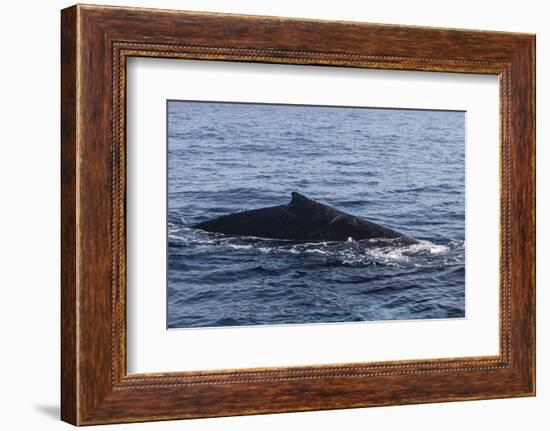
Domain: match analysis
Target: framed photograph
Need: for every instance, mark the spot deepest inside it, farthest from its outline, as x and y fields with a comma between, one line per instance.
x=265, y=214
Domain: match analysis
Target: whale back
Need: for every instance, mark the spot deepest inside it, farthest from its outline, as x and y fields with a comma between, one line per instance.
x=301, y=219
x=326, y=222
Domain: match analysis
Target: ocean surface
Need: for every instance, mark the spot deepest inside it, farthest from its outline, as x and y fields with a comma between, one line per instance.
x=403, y=169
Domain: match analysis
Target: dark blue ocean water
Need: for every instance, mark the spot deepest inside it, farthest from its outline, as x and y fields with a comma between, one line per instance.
x=403, y=169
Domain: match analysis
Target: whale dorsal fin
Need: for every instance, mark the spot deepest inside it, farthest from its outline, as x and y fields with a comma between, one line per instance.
x=313, y=207
x=300, y=200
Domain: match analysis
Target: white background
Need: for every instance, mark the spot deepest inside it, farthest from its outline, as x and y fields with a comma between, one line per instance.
x=29, y=224
x=151, y=348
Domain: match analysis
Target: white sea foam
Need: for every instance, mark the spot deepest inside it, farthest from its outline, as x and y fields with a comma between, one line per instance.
x=239, y=246
x=389, y=252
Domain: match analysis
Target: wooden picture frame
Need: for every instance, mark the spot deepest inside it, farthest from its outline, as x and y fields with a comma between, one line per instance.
x=95, y=43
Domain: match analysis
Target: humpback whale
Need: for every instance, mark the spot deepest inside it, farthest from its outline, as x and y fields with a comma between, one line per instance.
x=302, y=219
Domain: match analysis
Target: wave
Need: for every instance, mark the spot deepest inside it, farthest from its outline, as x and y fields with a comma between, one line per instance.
x=389, y=252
